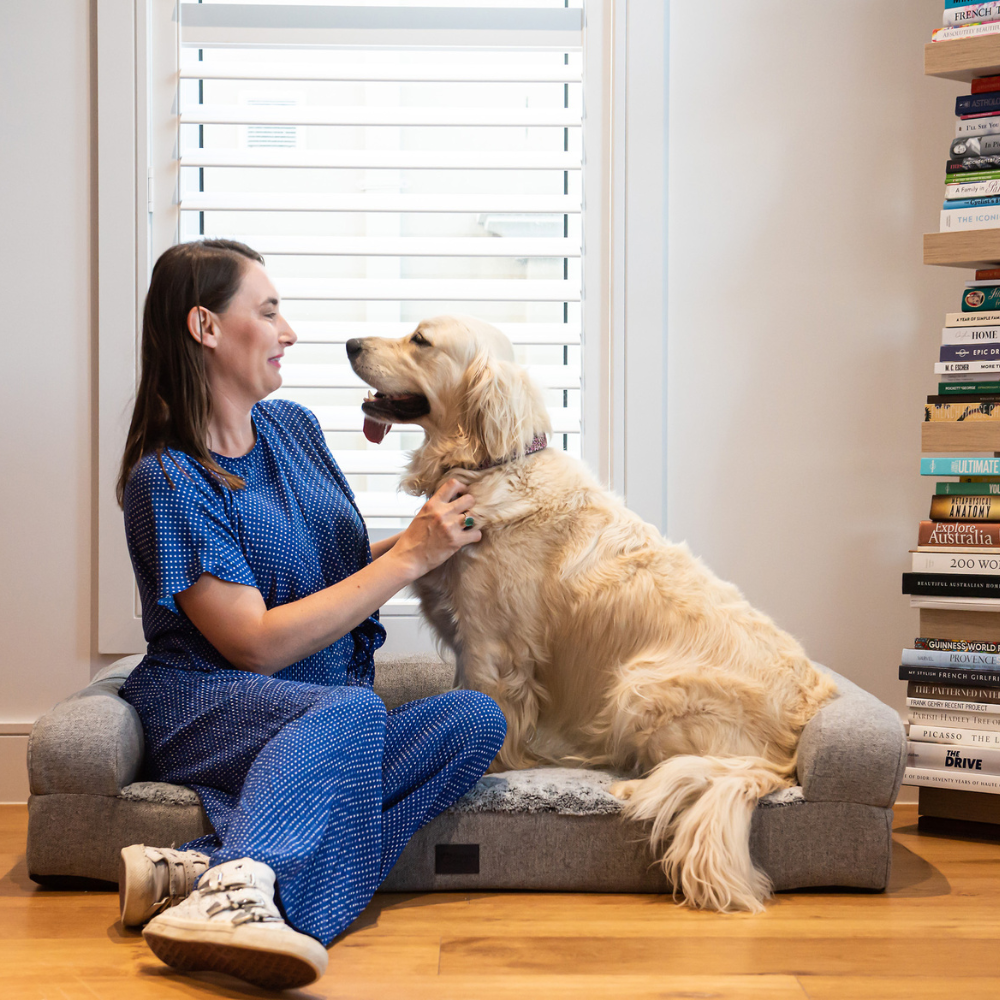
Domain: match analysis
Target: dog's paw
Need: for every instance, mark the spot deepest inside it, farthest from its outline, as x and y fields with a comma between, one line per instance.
x=624, y=789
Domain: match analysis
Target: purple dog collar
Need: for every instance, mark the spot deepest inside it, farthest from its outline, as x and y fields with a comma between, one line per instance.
x=538, y=443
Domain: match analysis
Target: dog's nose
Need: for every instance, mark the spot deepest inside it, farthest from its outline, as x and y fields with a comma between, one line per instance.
x=354, y=348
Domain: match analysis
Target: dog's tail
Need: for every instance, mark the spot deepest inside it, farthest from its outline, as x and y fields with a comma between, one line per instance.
x=700, y=809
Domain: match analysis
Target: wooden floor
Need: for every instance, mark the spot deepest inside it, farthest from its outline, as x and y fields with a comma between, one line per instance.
x=933, y=935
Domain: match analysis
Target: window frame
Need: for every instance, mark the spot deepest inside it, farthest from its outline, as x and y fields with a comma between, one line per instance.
x=624, y=310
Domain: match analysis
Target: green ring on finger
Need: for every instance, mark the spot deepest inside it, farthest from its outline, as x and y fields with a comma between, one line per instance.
x=469, y=521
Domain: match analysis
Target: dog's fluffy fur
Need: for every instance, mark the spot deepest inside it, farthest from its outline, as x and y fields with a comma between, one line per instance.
x=603, y=643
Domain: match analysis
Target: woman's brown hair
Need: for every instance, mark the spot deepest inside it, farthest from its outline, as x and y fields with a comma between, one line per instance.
x=172, y=403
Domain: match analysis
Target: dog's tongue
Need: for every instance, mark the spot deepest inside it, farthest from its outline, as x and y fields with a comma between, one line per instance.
x=375, y=430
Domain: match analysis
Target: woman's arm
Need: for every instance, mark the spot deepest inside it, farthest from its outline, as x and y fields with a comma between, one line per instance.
x=380, y=548
x=236, y=622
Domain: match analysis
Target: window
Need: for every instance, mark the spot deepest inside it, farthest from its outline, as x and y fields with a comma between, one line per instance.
x=390, y=163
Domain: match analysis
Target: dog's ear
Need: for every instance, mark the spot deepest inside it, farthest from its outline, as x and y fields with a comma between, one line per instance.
x=501, y=408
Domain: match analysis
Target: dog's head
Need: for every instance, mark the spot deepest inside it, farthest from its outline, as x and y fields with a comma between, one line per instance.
x=456, y=377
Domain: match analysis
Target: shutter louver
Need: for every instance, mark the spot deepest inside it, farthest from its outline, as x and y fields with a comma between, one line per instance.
x=391, y=164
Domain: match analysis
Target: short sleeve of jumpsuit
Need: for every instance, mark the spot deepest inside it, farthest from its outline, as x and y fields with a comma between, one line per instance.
x=304, y=770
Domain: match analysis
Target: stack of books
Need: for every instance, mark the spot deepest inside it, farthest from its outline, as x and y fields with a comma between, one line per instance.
x=953, y=670
x=972, y=173
x=967, y=19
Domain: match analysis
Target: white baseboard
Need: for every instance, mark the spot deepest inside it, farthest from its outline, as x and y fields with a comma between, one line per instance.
x=13, y=769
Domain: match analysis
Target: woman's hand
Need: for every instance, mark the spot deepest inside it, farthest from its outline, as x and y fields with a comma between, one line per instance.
x=438, y=531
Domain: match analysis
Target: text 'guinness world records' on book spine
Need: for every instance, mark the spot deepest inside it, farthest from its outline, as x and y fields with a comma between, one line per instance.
x=975, y=781
x=949, y=658
x=954, y=736
x=956, y=645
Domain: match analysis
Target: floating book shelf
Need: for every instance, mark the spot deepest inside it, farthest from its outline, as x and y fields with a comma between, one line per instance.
x=972, y=248
x=963, y=59
x=945, y=437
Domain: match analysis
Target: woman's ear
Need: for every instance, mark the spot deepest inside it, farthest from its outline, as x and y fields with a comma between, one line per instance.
x=201, y=324
x=501, y=408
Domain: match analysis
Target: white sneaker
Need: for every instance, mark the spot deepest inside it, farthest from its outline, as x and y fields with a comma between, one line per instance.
x=230, y=924
x=152, y=879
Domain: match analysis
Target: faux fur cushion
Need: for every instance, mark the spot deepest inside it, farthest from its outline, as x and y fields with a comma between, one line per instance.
x=567, y=791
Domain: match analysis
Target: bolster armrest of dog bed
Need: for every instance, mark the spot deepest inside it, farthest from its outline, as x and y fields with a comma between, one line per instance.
x=852, y=750
x=91, y=743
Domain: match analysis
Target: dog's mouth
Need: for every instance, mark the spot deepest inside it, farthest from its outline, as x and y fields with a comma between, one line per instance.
x=382, y=410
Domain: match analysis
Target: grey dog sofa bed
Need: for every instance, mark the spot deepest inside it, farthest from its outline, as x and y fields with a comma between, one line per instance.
x=546, y=828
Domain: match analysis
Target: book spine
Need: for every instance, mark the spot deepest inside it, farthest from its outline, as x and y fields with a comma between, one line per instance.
x=972, y=319
x=949, y=675
x=991, y=604
x=987, y=125
x=948, y=657
x=965, y=31
x=968, y=219
x=985, y=84
x=968, y=782
x=966, y=388
x=971, y=164
x=965, y=508
x=954, y=466
x=964, y=187
x=982, y=298
x=921, y=733
x=940, y=756
x=956, y=645
x=973, y=145
x=943, y=413
x=976, y=104
x=970, y=335
x=958, y=3
x=970, y=13
x=951, y=584
x=947, y=717
x=967, y=490
x=975, y=696
x=967, y=397
x=965, y=367
x=970, y=352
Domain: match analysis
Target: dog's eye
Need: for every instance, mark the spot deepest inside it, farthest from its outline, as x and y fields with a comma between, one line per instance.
x=419, y=339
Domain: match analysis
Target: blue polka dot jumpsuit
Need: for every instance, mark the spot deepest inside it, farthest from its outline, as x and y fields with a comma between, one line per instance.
x=305, y=770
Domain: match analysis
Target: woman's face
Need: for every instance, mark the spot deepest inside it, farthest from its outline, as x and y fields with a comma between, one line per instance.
x=247, y=341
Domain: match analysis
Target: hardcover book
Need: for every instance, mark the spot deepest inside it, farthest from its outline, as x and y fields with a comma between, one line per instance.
x=970, y=352
x=958, y=534
x=976, y=781
x=956, y=645
x=972, y=319
x=965, y=508
x=981, y=298
x=961, y=411
x=967, y=489
x=954, y=735
x=949, y=675
x=971, y=696
x=951, y=584
x=940, y=756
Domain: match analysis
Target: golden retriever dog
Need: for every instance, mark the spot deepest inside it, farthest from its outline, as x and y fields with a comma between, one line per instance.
x=603, y=643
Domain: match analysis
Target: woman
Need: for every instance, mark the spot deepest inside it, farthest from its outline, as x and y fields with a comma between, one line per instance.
x=259, y=604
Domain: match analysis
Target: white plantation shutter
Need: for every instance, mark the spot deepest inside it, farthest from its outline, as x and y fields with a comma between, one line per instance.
x=393, y=163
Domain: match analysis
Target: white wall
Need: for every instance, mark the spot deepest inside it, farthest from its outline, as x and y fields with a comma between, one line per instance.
x=806, y=153
x=802, y=325
x=46, y=378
